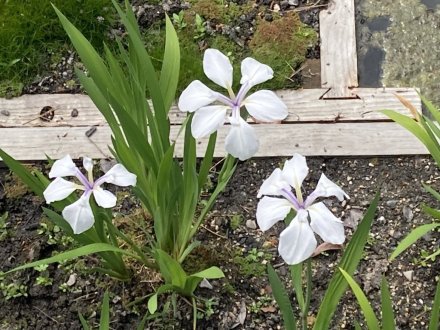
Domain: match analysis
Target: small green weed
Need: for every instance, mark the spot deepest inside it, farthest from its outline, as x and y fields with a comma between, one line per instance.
x=236, y=221
x=12, y=289
x=253, y=264
x=43, y=279
x=3, y=226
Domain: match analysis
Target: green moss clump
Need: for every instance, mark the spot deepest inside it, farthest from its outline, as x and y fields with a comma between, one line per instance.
x=219, y=11
x=282, y=44
x=30, y=30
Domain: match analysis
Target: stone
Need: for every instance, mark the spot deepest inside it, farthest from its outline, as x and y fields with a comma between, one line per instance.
x=408, y=214
x=353, y=218
x=409, y=275
x=391, y=203
x=251, y=224
x=72, y=280
x=205, y=284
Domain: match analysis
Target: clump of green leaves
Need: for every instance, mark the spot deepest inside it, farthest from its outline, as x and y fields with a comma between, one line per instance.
x=12, y=289
x=43, y=278
x=253, y=263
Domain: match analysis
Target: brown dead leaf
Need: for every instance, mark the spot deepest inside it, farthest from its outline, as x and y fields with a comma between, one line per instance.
x=407, y=104
x=268, y=309
x=325, y=247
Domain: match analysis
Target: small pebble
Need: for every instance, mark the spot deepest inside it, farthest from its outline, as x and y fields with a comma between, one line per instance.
x=391, y=203
x=407, y=213
x=409, y=275
x=72, y=280
x=74, y=113
x=205, y=284
x=251, y=224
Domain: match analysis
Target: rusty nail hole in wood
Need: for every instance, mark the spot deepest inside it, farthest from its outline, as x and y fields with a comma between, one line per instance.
x=91, y=131
x=47, y=113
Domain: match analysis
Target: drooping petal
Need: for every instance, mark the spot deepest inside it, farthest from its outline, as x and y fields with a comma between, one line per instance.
x=241, y=141
x=273, y=184
x=325, y=188
x=207, y=120
x=295, y=170
x=265, y=106
x=79, y=215
x=195, y=96
x=325, y=224
x=88, y=165
x=254, y=72
x=63, y=167
x=104, y=198
x=270, y=210
x=297, y=241
x=117, y=175
x=218, y=68
x=58, y=190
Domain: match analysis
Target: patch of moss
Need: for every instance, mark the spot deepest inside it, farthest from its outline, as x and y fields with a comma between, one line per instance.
x=218, y=11
x=191, y=53
x=14, y=187
x=29, y=30
x=204, y=256
x=282, y=44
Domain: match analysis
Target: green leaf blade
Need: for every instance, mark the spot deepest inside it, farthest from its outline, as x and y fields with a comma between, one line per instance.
x=282, y=299
x=370, y=317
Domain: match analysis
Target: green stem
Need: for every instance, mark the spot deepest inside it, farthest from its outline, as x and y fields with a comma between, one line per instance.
x=194, y=313
x=305, y=312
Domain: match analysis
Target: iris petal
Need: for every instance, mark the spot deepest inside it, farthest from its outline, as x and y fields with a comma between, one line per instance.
x=273, y=184
x=195, y=96
x=218, y=68
x=297, y=241
x=254, y=72
x=325, y=224
x=79, y=215
x=58, y=190
x=63, y=167
x=207, y=120
x=265, y=106
x=119, y=176
x=241, y=141
x=104, y=198
x=295, y=170
x=327, y=188
x=270, y=210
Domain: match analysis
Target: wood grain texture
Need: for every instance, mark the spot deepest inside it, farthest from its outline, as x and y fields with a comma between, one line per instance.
x=338, y=49
x=303, y=106
x=336, y=139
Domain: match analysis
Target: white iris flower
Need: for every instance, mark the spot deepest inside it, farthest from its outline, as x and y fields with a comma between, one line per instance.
x=263, y=105
x=79, y=215
x=297, y=241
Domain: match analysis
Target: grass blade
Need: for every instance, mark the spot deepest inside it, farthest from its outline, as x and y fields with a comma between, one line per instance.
x=434, y=322
x=83, y=321
x=282, y=299
x=72, y=254
x=349, y=262
x=387, y=306
x=104, y=321
x=370, y=317
x=412, y=237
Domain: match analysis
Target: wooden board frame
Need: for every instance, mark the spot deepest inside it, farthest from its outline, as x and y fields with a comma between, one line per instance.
x=337, y=119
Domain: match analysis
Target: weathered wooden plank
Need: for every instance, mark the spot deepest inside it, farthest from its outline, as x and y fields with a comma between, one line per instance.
x=338, y=49
x=303, y=105
x=337, y=139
